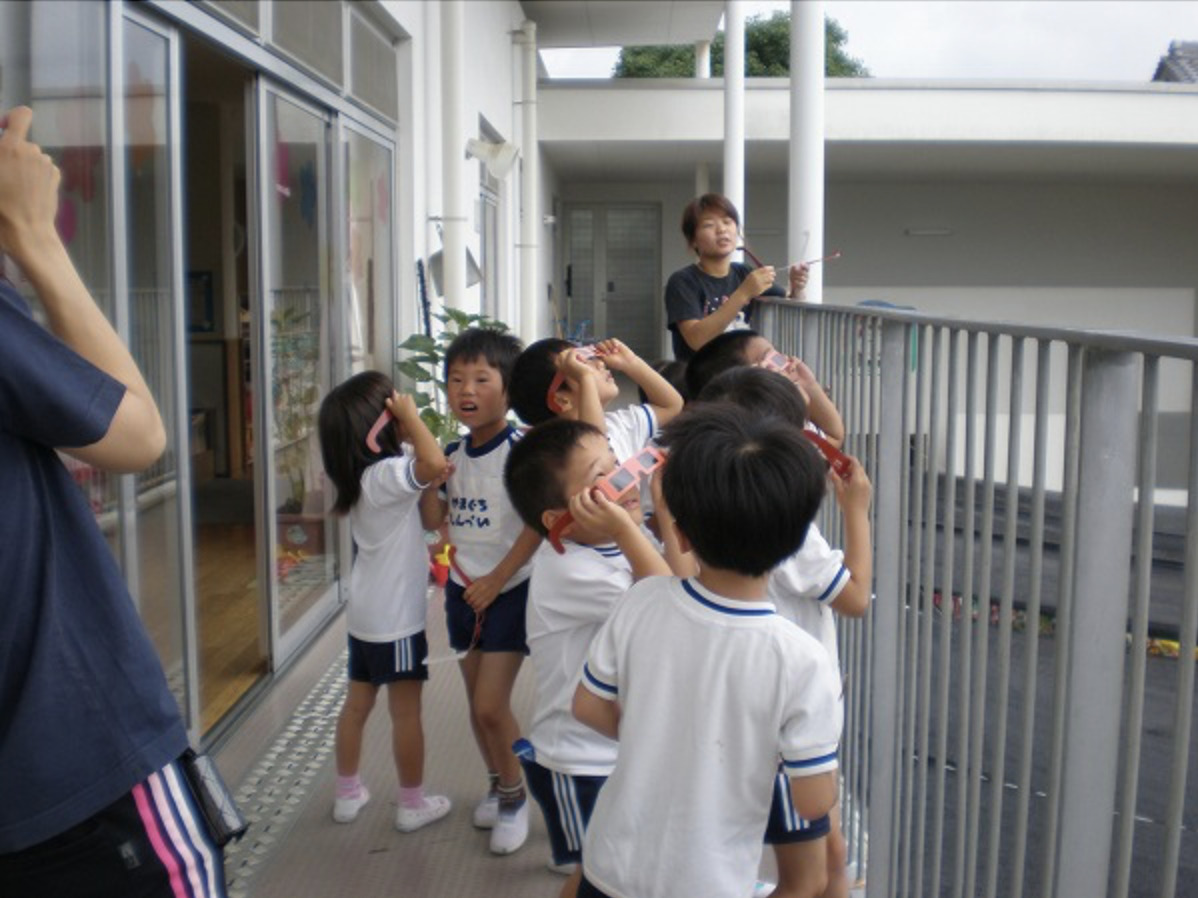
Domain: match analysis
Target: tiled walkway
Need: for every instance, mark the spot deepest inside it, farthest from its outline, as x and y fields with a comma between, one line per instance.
x=280, y=761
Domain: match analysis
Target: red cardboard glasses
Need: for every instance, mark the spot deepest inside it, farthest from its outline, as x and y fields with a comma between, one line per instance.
x=589, y=351
x=837, y=460
x=372, y=438
x=615, y=486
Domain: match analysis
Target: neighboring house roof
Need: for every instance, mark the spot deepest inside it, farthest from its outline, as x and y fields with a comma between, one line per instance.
x=1181, y=64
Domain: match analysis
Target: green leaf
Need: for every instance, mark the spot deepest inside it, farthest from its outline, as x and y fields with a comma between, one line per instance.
x=419, y=343
x=410, y=369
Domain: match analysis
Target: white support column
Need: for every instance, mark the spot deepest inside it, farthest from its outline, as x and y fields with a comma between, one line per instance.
x=734, y=105
x=805, y=210
x=453, y=154
x=702, y=59
x=702, y=70
x=530, y=200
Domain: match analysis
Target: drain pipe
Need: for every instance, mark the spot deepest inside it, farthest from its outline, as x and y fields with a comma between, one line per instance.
x=530, y=173
x=805, y=209
x=702, y=70
x=453, y=148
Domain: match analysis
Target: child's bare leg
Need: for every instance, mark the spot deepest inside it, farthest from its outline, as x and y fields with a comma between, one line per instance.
x=492, y=708
x=570, y=886
x=351, y=723
x=469, y=667
x=407, y=731
x=838, y=858
x=802, y=868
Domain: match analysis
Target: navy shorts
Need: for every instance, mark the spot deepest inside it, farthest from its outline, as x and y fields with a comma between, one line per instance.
x=586, y=889
x=378, y=663
x=502, y=627
x=785, y=825
x=566, y=802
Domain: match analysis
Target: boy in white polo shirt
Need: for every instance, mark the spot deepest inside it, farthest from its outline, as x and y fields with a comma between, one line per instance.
x=704, y=684
x=807, y=588
x=551, y=471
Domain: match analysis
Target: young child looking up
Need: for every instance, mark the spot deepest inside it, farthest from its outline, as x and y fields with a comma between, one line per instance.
x=702, y=682
x=554, y=468
x=488, y=585
x=587, y=388
x=807, y=588
x=715, y=293
x=388, y=604
x=747, y=347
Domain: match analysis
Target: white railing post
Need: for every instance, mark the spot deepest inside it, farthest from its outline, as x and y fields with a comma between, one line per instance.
x=1097, y=634
x=884, y=703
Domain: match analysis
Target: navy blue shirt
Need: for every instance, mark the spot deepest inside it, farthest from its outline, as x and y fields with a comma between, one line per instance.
x=692, y=293
x=85, y=712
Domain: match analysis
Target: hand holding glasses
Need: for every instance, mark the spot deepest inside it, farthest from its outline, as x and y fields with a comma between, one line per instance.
x=614, y=487
x=583, y=354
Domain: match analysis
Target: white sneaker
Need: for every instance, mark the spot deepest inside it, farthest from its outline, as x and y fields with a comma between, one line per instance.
x=345, y=810
x=566, y=869
x=411, y=819
x=511, y=830
x=486, y=812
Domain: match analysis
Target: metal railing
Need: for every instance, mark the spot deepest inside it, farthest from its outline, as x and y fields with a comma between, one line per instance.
x=1008, y=728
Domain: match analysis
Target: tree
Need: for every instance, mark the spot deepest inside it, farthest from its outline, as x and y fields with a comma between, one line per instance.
x=767, y=54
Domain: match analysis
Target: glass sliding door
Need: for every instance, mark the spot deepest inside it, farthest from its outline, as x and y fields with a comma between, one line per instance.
x=295, y=322
x=369, y=281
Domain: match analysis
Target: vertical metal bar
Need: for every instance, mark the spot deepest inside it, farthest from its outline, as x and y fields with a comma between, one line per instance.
x=1092, y=715
x=1186, y=637
x=1064, y=615
x=1036, y=568
x=868, y=634
x=927, y=601
x=1010, y=532
x=914, y=607
x=1146, y=480
x=896, y=832
x=885, y=685
x=946, y=609
x=965, y=677
x=982, y=647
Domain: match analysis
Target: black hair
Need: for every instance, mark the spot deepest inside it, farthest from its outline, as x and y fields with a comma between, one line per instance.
x=346, y=415
x=497, y=348
x=674, y=371
x=759, y=390
x=708, y=202
x=724, y=351
x=533, y=474
x=743, y=487
x=532, y=374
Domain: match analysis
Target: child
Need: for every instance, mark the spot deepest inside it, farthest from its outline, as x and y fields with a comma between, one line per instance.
x=488, y=585
x=807, y=588
x=747, y=347
x=380, y=491
x=716, y=294
x=586, y=388
x=704, y=685
x=552, y=469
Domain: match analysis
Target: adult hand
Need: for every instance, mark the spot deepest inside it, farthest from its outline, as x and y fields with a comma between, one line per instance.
x=28, y=186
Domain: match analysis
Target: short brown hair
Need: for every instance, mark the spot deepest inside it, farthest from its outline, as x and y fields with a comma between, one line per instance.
x=708, y=202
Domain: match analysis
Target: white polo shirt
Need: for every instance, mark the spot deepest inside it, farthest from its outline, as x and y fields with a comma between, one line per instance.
x=630, y=429
x=804, y=586
x=712, y=692
x=569, y=598
x=388, y=585
x=483, y=524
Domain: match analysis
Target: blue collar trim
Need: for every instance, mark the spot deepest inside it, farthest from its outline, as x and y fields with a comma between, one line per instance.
x=709, y=599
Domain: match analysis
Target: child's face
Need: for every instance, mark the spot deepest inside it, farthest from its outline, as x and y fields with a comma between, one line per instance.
x=716, y=235
x=757, y=349
x=476, y=394
x=607, y=387
x=591, y=461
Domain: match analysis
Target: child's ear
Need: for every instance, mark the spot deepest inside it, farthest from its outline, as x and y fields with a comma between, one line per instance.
x=563, y=400
x=550, y=516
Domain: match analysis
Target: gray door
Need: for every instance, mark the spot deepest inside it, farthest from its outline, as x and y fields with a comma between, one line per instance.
x=613, y=275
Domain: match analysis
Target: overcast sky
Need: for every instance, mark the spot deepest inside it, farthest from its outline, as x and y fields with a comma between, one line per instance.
x=1086, y=40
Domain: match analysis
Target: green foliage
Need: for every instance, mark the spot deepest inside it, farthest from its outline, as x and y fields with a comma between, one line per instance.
x=422, y=372
x=767, y=54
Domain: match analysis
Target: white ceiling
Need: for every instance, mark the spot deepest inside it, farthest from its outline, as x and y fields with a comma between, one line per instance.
x=622, y=23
